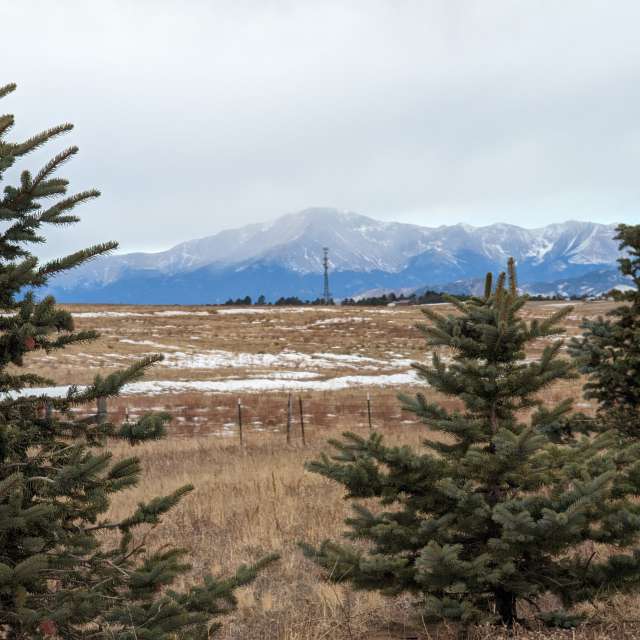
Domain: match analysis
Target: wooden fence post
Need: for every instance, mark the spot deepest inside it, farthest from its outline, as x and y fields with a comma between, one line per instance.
x=304, y=442
x=240, y=423
x=369, y=411
x=289, y=420
x=102, y=409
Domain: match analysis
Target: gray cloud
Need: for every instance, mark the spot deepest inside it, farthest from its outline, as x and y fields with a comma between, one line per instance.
x=196, y=116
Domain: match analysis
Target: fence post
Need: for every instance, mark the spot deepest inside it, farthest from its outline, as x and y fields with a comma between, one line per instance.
x=240, y=423
x=102, y=409
x=289, y=420
x=304, y=442
x=369, y=411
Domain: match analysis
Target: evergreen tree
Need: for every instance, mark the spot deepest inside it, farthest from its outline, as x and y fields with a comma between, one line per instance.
x=504, y=504
x=59, y=574
x=609, y=350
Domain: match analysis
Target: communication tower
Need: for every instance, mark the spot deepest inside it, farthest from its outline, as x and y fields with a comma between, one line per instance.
x=326, y=296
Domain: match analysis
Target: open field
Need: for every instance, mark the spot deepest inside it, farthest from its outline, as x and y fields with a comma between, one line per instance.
x=332, y=357
x=252, y=500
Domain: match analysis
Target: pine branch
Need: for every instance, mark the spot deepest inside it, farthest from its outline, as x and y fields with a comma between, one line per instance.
x=35, y=142
x=53, y=215
x=55, y=163
x=7, y=89
x=111, y=385
x=6, y=122
x=151, y=512
x=76, y=259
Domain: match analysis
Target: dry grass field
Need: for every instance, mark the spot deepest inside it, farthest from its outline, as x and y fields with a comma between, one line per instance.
x=256, y=499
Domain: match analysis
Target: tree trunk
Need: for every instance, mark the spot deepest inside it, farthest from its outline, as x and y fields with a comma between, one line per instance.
x=506, y=607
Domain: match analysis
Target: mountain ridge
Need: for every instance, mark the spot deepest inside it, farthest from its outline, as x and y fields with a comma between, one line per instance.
x=284, y=257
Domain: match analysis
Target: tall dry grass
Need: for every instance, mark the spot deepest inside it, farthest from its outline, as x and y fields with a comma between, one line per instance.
x=257, y=499
x=249, y=502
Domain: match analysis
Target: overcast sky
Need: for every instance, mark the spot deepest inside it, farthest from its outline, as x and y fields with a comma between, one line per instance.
x=196, y=116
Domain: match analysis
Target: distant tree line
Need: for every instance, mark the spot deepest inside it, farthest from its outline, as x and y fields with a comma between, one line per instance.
x=282, y=301
x=428, y=297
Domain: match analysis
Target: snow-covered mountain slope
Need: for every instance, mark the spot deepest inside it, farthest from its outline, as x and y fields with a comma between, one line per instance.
x=364, y=253
x=591, y=284
x=294, y=240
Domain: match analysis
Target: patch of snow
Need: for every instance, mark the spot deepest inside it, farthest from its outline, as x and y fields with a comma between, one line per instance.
x=149, y=343
x=137, y=314
x=251, y=385
x=109, y=314
x=291, y=375
x=267, y=310
x=219, y=359
x=172, y=313
x=242, y=311
x=539, y=252
x=559, y=304
x=330, y=321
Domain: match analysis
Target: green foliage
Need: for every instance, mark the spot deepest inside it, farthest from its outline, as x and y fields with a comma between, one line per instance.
x=609, y=350
x=65, y=568
x=505, y=500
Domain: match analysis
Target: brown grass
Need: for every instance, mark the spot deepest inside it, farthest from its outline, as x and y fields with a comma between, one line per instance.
x=259, y=499
x=251, y=501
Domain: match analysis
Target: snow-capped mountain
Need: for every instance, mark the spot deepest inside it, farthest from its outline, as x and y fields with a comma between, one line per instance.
x=284, y=257
x=294, y=240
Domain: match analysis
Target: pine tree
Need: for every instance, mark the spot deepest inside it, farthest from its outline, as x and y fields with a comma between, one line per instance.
x=59, y=574
x=609, y=349
x=504, y=505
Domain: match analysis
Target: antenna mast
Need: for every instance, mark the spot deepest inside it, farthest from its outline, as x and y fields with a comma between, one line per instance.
x=326, y=296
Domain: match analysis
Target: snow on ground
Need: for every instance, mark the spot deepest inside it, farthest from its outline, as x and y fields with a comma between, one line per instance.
x=110, y=314
x=290, y=375
x=237, y=371
x=248, y=385
x=219, y=359
x=138, y=314
x=171, y=313
x=149, y=343
x=267, y=310
x=271, y=384
x=262, y=310
x=559, y=304
x=332, y=321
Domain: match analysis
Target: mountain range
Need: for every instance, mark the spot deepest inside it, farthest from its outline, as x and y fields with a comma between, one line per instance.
x=284, y=258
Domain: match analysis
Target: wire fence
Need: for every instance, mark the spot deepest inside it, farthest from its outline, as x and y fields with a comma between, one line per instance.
x=298, y=417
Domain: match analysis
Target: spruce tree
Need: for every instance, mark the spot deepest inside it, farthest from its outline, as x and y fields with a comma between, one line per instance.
x=503, y=505
x=609, y=349
x=66, y=570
